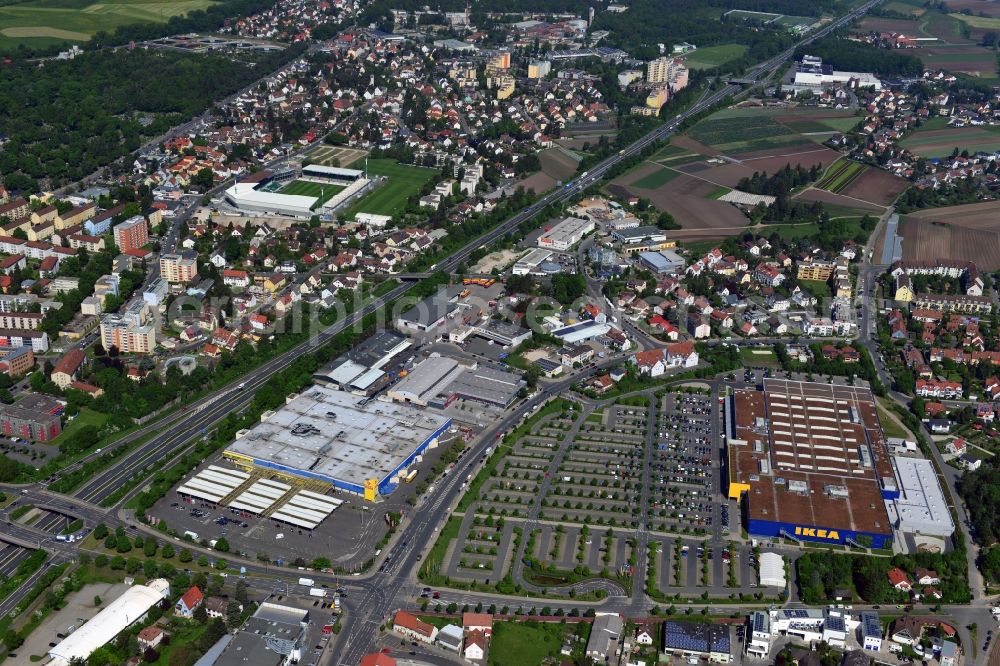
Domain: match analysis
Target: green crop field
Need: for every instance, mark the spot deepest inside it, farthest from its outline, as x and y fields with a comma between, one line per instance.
x=841, y=174
x=714, y=56
x=323, y=192
x=911, y=7
x=988, y=22
x=389, y=198
x=941, y=143
x=669, y=151
x=656, y=179
x=50, y=22
x=724, y=134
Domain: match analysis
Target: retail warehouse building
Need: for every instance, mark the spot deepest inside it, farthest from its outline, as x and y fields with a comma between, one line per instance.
x=327, y=438
x=131, y=607
x=809, y=462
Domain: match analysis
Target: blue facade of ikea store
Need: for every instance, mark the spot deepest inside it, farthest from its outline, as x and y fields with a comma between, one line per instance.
x=816, y=533
x=386, y=486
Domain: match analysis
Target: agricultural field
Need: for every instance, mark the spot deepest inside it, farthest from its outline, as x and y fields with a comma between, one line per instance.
x=970, y=232
x=862, y=182
x=686, y=198
x=714, y=56
x=322, y=191
x=558, y=162
x=970, y=59
x=764, y=128
x=390, y=197
x=755, y=132
x=50, y=22
x=914, y=8
x=840, y=204
x=985, y=22
x=686, y=177
x=958, y=36
x=656, y=179
x=840, y=175
x=977, y=7
x=941, y=142
x=337, y=156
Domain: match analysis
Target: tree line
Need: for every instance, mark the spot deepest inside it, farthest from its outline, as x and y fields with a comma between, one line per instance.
x=858, y=57
x=69, y=118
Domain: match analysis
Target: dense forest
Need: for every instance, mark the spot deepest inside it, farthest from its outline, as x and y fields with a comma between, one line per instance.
x=69, y=118
x=980, y=491
x=857, y=57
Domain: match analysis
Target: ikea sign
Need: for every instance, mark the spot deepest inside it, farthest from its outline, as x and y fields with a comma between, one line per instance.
x=817, y=533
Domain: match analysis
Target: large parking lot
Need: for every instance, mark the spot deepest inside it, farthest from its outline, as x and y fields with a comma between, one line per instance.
x=683, y=494
x=595, y=481
x=347, y=537
x=570, y=488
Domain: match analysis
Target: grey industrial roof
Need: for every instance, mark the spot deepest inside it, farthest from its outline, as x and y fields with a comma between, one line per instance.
x=331, y=433
x=347, y=371
x=428, y=378
x=430, y=309
x=656, y=260
x=638, y=232
x=487, y=384
x=372, y=350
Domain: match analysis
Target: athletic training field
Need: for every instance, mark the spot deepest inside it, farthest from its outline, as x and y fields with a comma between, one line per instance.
x=389, y=197
x=323, y=192
x=47, y=22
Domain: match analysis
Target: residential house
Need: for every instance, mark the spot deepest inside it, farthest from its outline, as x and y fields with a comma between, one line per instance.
x=187, y=604
x=475, y=646
x=899, y=579
x=151, y=637
x=413, y=628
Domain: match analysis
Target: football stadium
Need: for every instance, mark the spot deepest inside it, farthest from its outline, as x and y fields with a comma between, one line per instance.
x=296, y=193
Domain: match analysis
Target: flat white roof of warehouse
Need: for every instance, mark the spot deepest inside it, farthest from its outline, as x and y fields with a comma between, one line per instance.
x=114, y=619
x=339, y=435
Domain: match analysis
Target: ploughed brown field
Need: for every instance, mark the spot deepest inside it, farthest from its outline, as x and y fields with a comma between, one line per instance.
x=977, y=7
x=879, y=24
x=768, y=161
x=876, y=186
x=684, y=197
x=686, y=142
x=970, y=232
x=812, y=194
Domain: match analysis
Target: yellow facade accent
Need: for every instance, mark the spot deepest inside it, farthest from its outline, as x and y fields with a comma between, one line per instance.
x=736, y=490
x=371, y=489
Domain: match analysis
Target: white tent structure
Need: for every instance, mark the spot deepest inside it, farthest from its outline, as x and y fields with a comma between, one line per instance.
x=116, y=617
x=772, y=570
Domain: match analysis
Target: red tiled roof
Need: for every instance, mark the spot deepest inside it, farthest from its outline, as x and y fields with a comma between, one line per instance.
x=192, y=597
x=408, y=621
x=70, y=362
x=477, y=620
